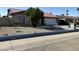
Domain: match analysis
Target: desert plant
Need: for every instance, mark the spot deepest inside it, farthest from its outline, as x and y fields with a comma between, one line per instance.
x=34, y=15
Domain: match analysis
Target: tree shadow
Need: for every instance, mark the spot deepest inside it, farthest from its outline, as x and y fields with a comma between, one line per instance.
x=51, y=28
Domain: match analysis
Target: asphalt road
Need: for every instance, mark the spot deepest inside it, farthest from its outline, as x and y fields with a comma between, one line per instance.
x=60, y=42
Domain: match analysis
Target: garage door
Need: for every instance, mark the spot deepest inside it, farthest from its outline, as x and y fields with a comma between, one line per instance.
x=49, y=21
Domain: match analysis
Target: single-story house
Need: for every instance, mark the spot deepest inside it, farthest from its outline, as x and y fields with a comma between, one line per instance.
x=49, y=18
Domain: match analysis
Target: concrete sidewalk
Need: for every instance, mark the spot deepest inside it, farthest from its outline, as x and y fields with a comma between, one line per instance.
x=67, y=41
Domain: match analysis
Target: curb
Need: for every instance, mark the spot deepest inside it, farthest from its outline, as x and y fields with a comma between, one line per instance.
x=14, y=37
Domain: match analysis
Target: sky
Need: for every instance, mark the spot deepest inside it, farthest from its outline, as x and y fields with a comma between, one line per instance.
x=54, y=10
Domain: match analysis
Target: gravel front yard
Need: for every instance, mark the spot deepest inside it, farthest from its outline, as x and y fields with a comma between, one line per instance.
x=20, y=30
x=29, y=30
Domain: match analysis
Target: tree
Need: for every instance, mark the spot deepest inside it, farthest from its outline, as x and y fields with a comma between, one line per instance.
x=67, y=12
x=78, y=11
x=34, y=15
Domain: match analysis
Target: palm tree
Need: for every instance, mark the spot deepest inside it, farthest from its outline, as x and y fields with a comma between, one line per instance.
x=78, y=11
x=67, y=12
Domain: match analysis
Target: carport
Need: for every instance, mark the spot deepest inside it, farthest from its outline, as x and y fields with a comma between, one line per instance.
x=70, y=19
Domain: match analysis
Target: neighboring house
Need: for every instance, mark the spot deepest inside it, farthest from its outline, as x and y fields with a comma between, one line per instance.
x=69, y=19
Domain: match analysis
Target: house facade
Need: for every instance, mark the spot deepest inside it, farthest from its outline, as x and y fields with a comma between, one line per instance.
x=18, y=16
x=49, y=18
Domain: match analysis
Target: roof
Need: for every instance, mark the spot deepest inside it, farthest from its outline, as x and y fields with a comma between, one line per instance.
x=14, y=11
x=46, y=15
x=67, y=17
x=49, y=15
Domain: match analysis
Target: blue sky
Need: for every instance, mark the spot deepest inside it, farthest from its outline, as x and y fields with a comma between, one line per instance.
x=54, y=10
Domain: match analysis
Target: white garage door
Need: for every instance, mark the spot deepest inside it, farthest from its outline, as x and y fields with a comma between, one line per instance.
x=49, y=21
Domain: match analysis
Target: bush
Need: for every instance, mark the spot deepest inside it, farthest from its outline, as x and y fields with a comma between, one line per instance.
x=34, y=15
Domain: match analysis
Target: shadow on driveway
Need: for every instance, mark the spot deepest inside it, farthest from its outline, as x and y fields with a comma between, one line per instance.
x=51, y=28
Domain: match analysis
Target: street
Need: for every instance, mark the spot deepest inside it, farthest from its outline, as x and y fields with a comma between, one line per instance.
x=59, y=42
